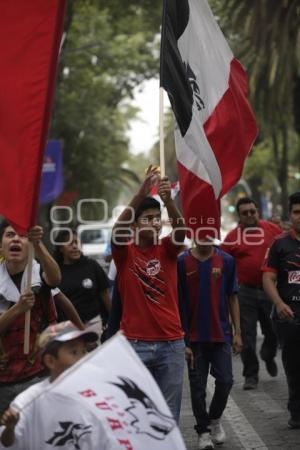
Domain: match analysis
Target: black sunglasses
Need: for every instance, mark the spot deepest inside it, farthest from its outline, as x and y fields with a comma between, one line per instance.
x=248, y=211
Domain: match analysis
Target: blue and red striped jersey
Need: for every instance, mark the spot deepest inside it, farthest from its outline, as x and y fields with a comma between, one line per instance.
x=204, y=290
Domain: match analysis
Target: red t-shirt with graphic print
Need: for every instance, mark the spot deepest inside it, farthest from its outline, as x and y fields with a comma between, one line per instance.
x=147, y=283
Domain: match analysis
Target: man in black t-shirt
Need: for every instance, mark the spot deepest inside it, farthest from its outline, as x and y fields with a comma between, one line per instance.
x=281, y=281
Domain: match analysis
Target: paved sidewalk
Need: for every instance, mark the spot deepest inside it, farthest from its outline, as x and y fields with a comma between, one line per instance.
x=253, y=419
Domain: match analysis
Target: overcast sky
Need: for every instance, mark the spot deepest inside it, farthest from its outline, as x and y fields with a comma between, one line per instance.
x=144, y=132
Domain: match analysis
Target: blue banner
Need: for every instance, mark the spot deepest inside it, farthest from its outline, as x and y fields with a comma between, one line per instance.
x=52, y=174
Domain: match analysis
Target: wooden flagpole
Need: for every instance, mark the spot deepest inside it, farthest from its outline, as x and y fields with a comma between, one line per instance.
x=161, y=133
x=28, y=289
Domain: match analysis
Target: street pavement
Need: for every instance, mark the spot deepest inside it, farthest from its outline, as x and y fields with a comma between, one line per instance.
x=254, y=419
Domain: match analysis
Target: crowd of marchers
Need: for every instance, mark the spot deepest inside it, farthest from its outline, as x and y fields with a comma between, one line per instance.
x=175, y=305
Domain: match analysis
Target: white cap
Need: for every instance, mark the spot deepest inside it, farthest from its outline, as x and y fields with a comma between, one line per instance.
x=63, y=332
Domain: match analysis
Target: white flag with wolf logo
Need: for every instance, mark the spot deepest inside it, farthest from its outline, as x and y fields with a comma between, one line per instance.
x=108, y=400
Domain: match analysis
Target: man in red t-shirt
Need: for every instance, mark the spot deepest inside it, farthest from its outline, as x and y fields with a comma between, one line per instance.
x=248, y=243
x=147, y=283
x=17, y=370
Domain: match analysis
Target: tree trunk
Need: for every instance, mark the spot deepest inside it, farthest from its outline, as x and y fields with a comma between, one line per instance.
x=280, y=153
x=283, y=171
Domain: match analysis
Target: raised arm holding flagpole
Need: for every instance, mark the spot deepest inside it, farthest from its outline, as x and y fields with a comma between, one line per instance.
x=50, y=271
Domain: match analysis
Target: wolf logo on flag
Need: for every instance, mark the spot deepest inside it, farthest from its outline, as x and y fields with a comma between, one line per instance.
x=147, y=419
x=70, y=433
x=195, y=87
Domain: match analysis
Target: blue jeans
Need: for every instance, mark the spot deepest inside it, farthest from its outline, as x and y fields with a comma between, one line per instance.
x=216, y=358
x=165, y=361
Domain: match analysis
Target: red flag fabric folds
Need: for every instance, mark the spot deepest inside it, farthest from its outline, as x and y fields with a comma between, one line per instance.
x=216, y=127
x=30, y=35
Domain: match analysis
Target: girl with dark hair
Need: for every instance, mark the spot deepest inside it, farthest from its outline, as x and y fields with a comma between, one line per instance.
x=84, y=282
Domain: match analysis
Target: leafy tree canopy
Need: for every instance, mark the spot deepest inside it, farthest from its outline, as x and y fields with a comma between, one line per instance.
x=110, y=47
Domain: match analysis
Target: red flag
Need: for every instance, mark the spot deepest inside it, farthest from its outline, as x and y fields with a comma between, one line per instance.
x=207, y=88
x=30, y=36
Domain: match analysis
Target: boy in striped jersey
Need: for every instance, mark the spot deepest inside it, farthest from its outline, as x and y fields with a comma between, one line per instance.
x=208, y=300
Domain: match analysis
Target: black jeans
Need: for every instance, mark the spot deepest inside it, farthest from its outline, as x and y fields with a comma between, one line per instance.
x=254, y=306
x=289, y=337
x=8, y=392
x=217, y=359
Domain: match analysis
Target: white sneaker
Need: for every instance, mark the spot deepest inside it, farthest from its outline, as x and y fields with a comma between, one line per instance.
x=217, y=431
x=205, y=442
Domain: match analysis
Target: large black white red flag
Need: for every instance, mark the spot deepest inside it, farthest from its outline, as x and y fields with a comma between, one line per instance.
x=216, y=127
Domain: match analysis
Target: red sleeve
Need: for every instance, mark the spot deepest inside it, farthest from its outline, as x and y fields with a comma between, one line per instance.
x=268, y=269
x=229, y=243
x=119, y=253
x=275, y=229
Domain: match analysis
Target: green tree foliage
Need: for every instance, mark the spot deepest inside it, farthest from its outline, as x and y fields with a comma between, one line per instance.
x=265, y=35
x=110, y=47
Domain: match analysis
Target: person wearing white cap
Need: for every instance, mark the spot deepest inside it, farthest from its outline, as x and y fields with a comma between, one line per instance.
x=61, y=346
